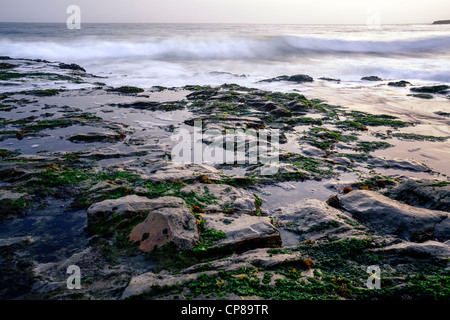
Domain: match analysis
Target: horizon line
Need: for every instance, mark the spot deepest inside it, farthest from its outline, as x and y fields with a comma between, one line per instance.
x=261, y=23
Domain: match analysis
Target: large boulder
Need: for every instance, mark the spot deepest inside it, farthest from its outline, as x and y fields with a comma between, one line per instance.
x=168, y=220
x=71, y=66
x=175, y=226
x=314, y=219
x=390, y=217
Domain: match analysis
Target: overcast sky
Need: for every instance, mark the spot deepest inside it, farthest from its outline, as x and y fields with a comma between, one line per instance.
x=228, y=11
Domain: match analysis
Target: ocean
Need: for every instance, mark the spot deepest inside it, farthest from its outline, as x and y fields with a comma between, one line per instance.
x=171, y=55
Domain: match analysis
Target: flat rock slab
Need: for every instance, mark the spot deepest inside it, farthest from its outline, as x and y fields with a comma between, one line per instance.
x=227, y=198
x=256, y=258
x=425, y=249
x=314, y=219
x=13, y=241
x=279, y=170
x=390, y=217
x=128, y=206
x=146, y=282
x=163, y=171
x=110, y=153
x=429, y=194
x=398, y=164
x=11, y=196
x=243, y=230
x=13, y=171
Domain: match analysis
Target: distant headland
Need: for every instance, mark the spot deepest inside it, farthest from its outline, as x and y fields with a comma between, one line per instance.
x=442, y=22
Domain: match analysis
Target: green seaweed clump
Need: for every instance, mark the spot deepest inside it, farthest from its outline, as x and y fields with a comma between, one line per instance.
x=127, y=90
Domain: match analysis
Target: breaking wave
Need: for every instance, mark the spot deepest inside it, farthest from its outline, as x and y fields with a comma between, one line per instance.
x=217, y=49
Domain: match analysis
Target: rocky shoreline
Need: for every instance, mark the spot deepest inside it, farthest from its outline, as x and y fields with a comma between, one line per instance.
x=87, y=179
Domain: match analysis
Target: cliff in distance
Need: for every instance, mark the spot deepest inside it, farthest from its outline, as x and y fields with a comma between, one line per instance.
x=442, y=22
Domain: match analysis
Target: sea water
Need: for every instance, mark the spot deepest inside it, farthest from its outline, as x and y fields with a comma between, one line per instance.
x=170, y=55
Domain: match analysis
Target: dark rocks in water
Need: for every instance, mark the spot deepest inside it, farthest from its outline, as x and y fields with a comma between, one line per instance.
x=221, y=73
x=4, y=66
x=71, y=66
x=151, y=105
x=330, y=79
x=43, y=93
x=5, y=58
x=372, y=78
x=298, y=78
x=127, y=90
x=442, y=113
x=98, y=137
x=442, y=22
x=421, y=95
x=401, y=83
x=431, y=89
x=141, y=105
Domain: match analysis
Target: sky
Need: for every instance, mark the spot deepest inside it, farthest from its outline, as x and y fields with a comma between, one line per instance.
x=230, y=11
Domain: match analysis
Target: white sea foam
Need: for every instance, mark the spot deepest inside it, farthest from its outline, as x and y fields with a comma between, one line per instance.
x=271, y=48
x=176, y=55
